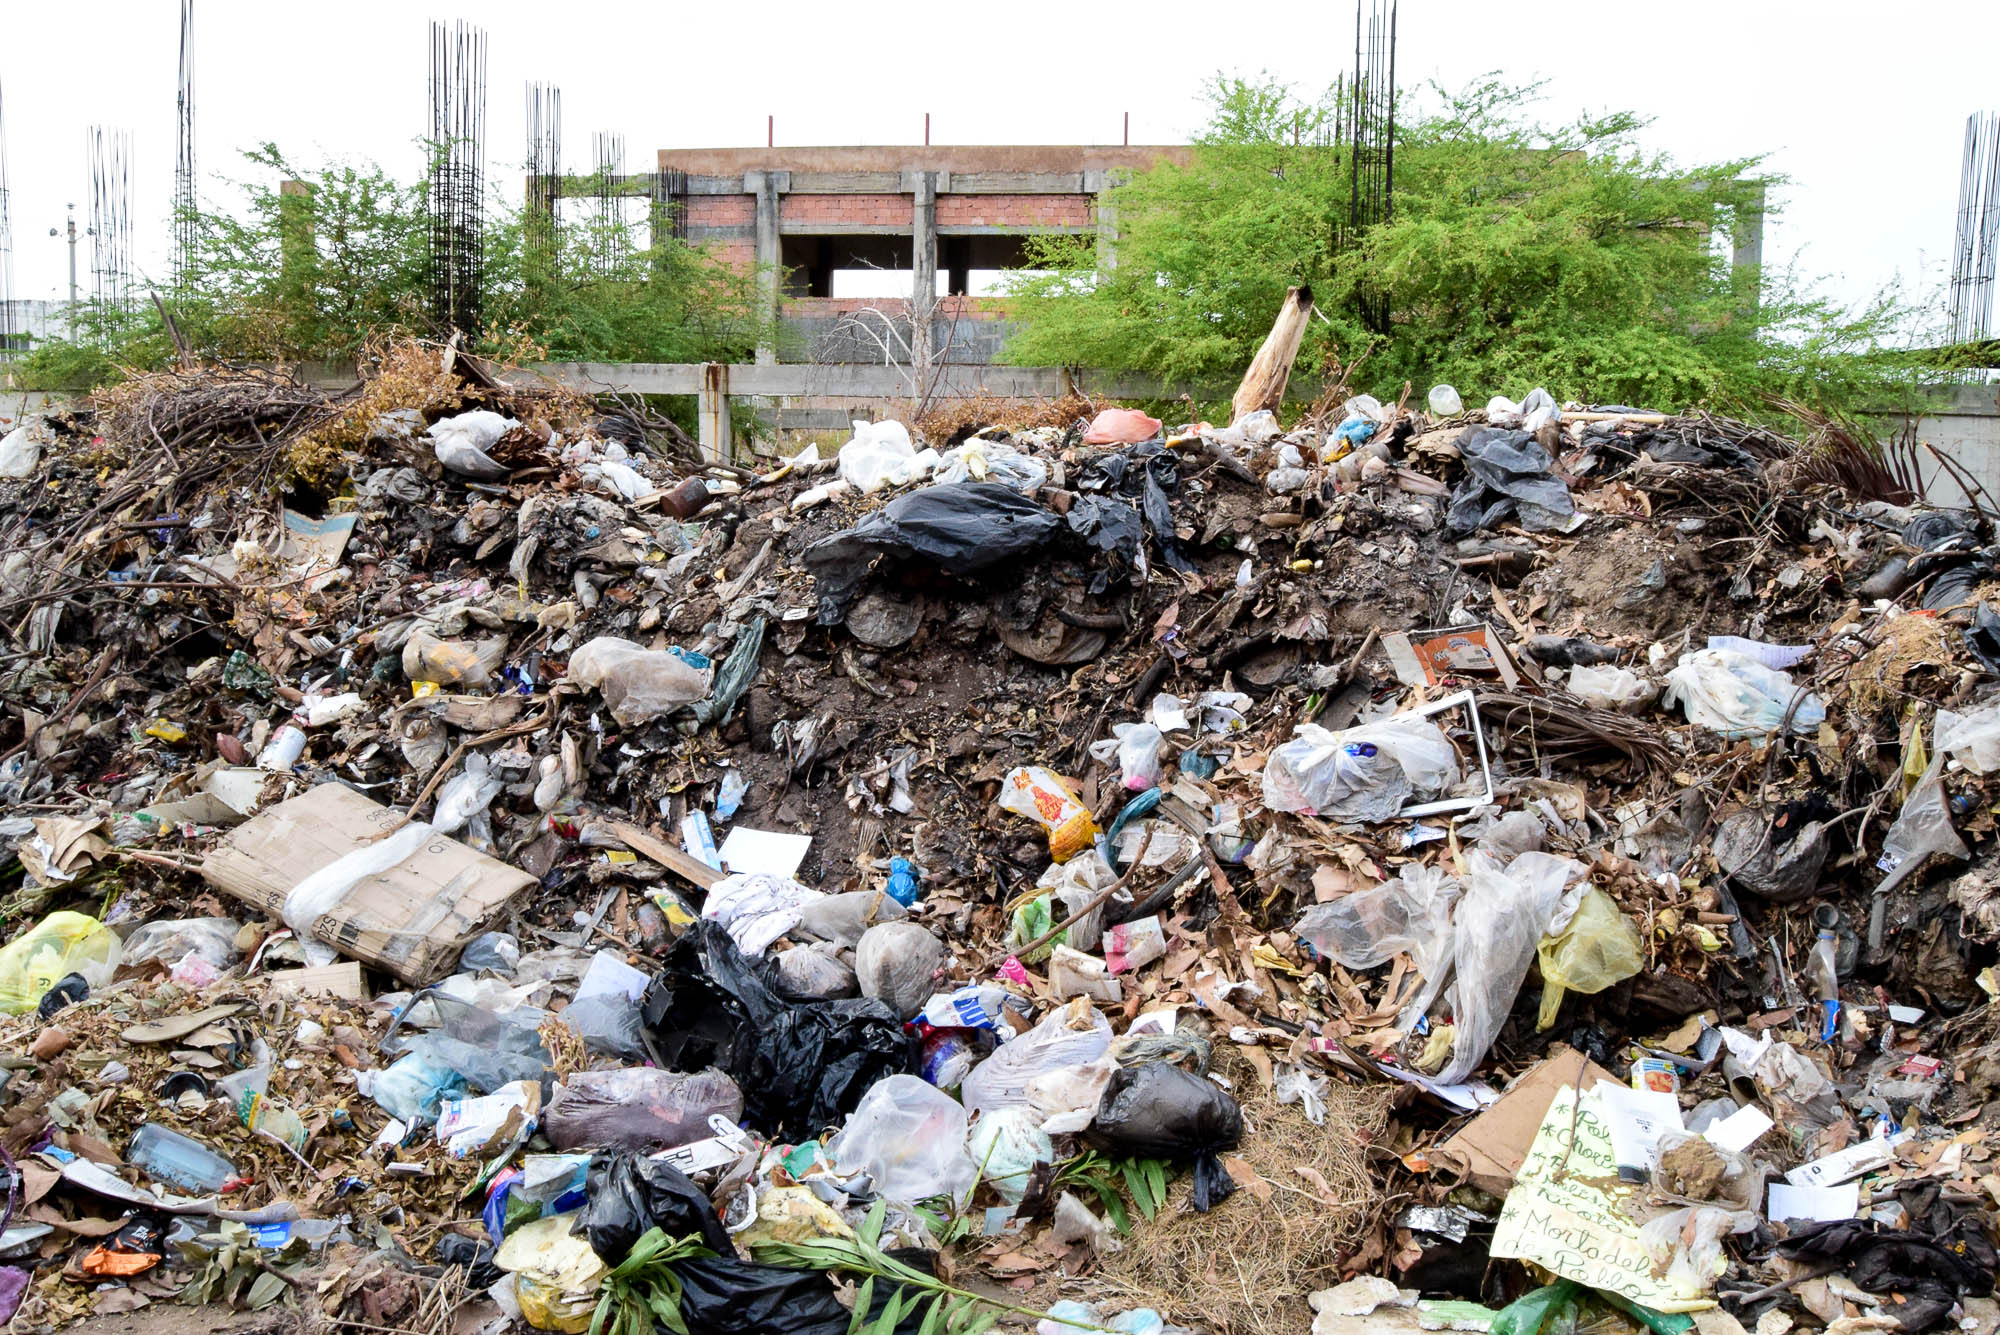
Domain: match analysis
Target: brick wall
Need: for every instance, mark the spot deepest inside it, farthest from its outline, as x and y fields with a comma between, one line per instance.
x=1013, y=211
x=722, y=211
x=819, y=210
x=949, y=308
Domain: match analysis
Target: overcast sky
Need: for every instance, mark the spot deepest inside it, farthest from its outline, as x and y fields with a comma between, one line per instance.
x=1862, y=106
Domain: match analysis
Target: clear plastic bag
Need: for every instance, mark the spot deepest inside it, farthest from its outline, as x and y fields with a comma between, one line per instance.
x=1366, y=773
x=169, y=940
x=639, y=1108
x=1610, y=687
x=842, y=919
x=991, y=461
x=1733, y=695
x=57, y=946
x=909, y=1137
x=1409, y=915
x=1686, y=1244
x=1137, y=747
x=1075, y=883
x=1597, y=947
x=638, y=684
x=1444, y=401
x=430, y=657
x=1502, y=917
x=816, y=971
x=1922, y=827
x=895, y=964
x=1006, y=1145
x=608, y=1024
x=1973, y=739
x=1073, y=1036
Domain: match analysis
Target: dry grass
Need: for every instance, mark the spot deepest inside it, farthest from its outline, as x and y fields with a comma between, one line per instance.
x=951, y=419
x=1906, y=644
x=1245, y=1267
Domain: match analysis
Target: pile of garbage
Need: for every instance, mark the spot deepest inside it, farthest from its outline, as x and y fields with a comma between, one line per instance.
x=477, y=861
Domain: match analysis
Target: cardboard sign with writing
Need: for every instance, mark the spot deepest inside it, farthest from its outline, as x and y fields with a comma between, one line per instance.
x=1564, y=1212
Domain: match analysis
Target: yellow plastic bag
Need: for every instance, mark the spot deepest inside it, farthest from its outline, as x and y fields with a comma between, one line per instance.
x=57, y=946
x=1599, y=947
x=1040, y=794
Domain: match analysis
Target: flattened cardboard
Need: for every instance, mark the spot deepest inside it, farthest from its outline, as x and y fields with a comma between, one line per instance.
x=411, y=919
x=1428, y=657
x=1495, y=1144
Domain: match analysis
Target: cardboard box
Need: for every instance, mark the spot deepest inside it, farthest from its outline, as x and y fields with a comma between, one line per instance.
x=1495, y=1143
x=1429, y=657
x=407, y=902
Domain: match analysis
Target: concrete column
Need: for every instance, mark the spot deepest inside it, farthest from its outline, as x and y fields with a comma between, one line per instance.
x=765, y=186
x=923, y=263
x=712, y=411
x=1096, y=184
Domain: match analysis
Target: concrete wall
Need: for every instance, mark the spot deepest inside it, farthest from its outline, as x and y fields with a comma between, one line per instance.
x=1963, y=423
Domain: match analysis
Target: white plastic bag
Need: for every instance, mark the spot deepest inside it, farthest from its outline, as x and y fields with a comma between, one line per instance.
x=1366, y=773
x=909, y=1137
x=639, y=684
x=1137, y=747
x=467, y=794
x=1222, y=712
x=1973, y=739
x=20, y=453
x=1734, y=695
x=1538, y=408
x=879, y=455
x=1075, y=884
x=1258, y=427
x=1073, y=1036
x=1007, y=1145
x=1502, y=917
x=461, y=442
x=757, y=909
x=1608, y=687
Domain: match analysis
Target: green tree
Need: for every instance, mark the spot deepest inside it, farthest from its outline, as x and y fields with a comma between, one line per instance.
x=1516, y=255
x=313, y=274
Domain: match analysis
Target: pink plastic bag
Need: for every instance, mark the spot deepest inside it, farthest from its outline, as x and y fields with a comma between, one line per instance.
x=1121, y=426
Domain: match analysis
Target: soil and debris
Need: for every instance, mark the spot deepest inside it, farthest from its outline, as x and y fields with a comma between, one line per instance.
x=478, y=864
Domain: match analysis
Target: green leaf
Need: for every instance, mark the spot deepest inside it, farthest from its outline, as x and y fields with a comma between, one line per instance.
x=871, y=1227
x=933, y=1319
x=862, y=1297
x=1156, y=1178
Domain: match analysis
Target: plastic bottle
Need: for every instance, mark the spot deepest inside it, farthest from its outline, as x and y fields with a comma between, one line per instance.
x=1825, y=968
x=168, y=1156
x=282, y=752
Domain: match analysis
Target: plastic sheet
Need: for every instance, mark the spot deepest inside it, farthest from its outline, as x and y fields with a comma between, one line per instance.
x=757, y=908
x=1597, y=947
x=895, y=963
x=802, y=1066
x=1508, y=475
x=1503, y=916
x=909, y=1138
x=1121, y=426
x=1366, y=773
x=1157, y=1111
x=1733, y=695
x=1409, y=915
x=638, y=1108
x=466, y=795
x=638, y=684
x=1686, y=1244
x=170, y=940
x=629, y=1194
x=960, y=528
x=1972, y=738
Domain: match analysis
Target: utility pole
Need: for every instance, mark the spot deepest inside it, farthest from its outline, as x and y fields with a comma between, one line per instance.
x=71, y=322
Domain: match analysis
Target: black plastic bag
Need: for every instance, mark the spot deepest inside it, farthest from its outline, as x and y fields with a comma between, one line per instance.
x=802, y=1066
x=960, y=527
x=1113, y=527
x=627, y=1194
x=730, y=1297
x=1146, y=473
x=1507, y=473
x=455, y=1249
x=1158, y=1111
